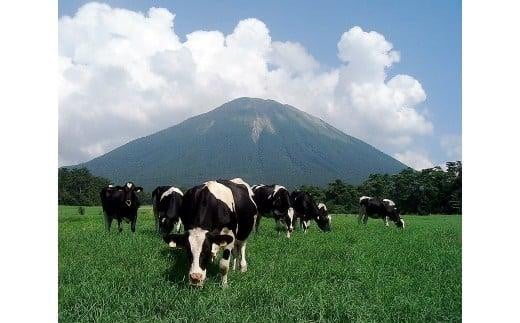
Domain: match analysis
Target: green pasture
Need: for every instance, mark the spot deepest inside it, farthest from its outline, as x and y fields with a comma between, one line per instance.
x=353, y=273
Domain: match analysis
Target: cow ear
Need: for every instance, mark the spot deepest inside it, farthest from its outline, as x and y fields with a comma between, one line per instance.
x=176, y=240
x=138, y=189
x=221, y=239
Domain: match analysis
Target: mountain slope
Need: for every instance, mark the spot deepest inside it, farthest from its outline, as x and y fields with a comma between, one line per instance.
x=259, y=140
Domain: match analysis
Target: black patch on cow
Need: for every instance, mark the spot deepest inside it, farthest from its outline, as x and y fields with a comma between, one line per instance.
x=226, y=254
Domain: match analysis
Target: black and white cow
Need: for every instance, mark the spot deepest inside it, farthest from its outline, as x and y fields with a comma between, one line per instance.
x=120, y=202
x=167, y=202
x=274, y=201
x=306, y=210
x=379, y=209
x=220, y=213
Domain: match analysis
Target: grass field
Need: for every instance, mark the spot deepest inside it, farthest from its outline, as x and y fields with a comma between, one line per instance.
x=352, y=273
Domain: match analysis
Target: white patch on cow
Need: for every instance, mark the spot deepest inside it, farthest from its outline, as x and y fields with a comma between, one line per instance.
x=322, y=206
x=110, y=185
x=172, y=244
x=163, y=220
x=275, y=190
x=222, y=193
x=170, y=191
x=196, y=238
x=277, y=187
x=364, y=198
x=388, y=202
x=254, y=187
x=178, y=226
x=129, y=185
x=290, y=213
x=402, y=221
x=240, y=181
x=214, y=250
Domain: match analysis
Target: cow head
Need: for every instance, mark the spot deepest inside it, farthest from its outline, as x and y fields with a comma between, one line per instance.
x=395, y=216
x=198, y=243
x=323, y=218
x=165, y=223
x=282, y=207
x=129, y=196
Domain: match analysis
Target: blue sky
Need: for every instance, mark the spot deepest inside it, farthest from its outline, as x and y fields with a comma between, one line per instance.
x=427, y=35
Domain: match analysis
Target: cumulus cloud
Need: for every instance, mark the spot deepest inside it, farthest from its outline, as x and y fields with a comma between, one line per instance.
x=125, y=74
x=452, y=146
x=416, y=160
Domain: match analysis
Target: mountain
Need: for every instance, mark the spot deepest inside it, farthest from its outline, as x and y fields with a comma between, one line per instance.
x=261, y=141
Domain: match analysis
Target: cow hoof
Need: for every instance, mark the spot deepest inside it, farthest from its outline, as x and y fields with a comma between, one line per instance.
x=225, y=285
x=243, y=269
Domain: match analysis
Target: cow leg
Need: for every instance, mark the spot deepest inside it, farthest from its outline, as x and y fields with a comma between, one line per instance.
x=362, y=215
x=365, y=219
x=240, y=246
x=108, y=222
x=119, y=229
x=277, y=225
x=132, y=225
x=386, y=221
x=224, y=263
x=156, y=216
x=257, y=221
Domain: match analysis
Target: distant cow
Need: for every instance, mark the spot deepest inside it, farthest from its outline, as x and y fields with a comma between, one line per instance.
x=379, y=209
x=167, y=202
x=306, y=210
x=218, y=213
x=120, y=202
x=274, y=201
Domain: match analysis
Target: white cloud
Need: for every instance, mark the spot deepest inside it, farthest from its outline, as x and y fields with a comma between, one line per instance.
x=416, y=160
x=125, y=74
x=452, y=146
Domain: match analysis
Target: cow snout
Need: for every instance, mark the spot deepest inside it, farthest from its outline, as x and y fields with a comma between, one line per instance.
x=196, y=279
x=128, y=202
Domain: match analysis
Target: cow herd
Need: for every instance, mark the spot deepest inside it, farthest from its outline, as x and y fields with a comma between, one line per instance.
x=221, y=214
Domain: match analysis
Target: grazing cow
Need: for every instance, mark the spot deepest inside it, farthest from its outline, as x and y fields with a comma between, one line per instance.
x=167, y=202
x=323, y=210
x=218, y=213
x=120, y=202
x=274, y=201
x=376, y=208
x=306, y=209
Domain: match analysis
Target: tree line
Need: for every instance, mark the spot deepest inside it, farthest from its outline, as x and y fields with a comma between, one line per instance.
x=429, y=191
